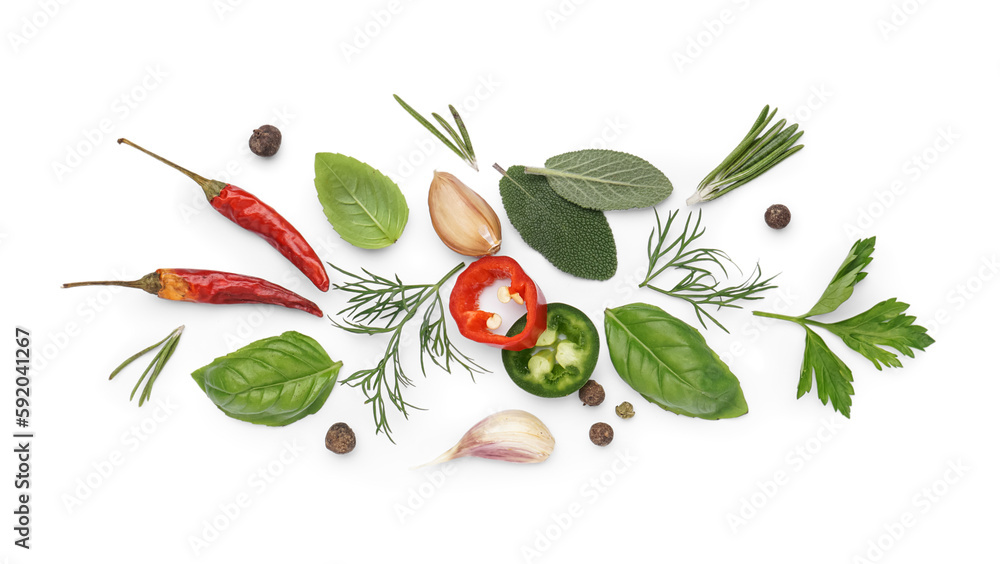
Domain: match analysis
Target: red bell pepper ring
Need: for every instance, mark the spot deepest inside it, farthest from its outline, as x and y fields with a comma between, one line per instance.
x=471, y=320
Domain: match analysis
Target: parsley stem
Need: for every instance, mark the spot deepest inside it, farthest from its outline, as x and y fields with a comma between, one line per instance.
x=798, y=320
x=803, y=321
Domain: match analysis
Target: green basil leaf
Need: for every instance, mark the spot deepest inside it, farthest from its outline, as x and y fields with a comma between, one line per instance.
x=366, y=208
x=670, y=364
x=601, y=179
x=574, y=239
x=273, y=381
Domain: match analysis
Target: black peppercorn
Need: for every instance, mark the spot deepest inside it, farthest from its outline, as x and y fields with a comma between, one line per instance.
x=601, y=434
x=265, y=140
x=592, y=393
x=777, y=216
x=340, y=438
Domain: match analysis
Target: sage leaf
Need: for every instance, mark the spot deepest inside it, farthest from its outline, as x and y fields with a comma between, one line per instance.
x=364, y=206
x=574, y=239
x=602, y=179
x=273, y=381
x=669, y=363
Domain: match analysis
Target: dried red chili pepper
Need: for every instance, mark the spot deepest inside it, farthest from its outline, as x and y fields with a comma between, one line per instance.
x=476, y=324
x=211, y=287
x=247, y=211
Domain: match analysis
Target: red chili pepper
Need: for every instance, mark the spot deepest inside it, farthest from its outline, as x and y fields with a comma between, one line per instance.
x=475, y=323
x=245, y=210
x=212, y=287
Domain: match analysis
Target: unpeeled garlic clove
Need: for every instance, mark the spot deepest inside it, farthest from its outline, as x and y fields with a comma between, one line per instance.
x=511, y=436
x=463, y=220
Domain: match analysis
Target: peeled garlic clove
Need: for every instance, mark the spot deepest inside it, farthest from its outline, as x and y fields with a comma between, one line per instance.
x=462, y=218
x=512, y=436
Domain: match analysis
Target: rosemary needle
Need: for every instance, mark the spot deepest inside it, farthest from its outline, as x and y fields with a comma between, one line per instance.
x=155, y=366
x=459, y=143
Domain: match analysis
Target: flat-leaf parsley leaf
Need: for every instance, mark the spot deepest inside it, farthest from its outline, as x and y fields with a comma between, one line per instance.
x=871, y=333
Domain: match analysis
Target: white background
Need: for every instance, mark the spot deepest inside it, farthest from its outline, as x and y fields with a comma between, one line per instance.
x=533, y=79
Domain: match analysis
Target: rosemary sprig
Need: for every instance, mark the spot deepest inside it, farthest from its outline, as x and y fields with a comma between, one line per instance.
x=459, y=143
x=383, y=305
x=751, y=158
x=155, y=366
x=701, y=286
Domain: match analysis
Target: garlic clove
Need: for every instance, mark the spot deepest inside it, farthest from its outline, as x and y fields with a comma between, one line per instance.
x=511, y=436
x=463, y=220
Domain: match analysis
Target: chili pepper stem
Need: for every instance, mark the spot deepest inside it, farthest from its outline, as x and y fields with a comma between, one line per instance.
x=149, y=283
x=212, y=188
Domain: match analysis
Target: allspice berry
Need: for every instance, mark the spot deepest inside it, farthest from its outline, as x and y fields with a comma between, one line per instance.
x=340, y=438
x=601, y=434
x=777, y=216
x=265, y=140
x=592, y=393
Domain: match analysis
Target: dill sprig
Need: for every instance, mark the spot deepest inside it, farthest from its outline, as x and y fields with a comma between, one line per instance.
x=701, y=286
x=155, y=366
x=460, y=143
x=754, y=156
x=383, y=305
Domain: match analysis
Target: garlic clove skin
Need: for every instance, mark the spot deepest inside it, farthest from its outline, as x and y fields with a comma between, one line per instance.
x=510, y=436
x=463, y=220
